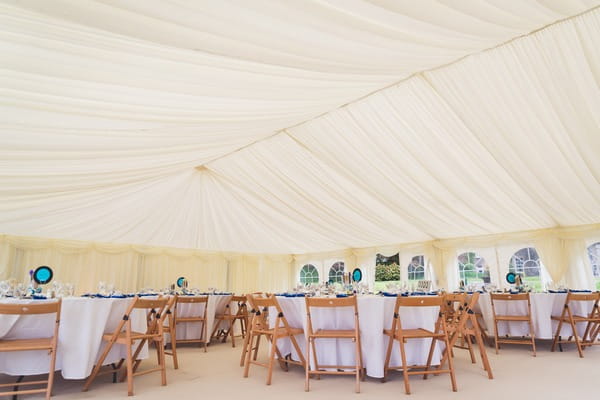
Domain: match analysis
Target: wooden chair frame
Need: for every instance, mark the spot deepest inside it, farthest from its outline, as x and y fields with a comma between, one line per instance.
x=171, y=328
x=513, y=318
x=439, y=333
x=260, y=326
x=353, y=334
x=592, y=321
x=241, y=315
x=154, y=333
x=48, y=344
x=200, y=318
x=462, y=323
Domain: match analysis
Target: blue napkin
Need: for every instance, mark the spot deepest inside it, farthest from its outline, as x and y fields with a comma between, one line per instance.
x=341, y=295
x=557, y=291
x=580, y=291
x=39, y=297
x=388, y=294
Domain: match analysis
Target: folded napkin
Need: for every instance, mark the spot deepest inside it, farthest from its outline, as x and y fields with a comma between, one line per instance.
x=557, y=291
x=39, y=297
x=580, y=291
x=388, y=294
x=341, y=295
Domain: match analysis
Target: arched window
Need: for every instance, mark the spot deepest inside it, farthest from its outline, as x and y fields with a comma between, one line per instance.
x=526, y=262
x=309, y=274
x=594, y=255
x=416, y=269
x=336, y=272
x=472, y=269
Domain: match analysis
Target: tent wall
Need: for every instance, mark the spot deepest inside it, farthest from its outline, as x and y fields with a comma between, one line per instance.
x=562, y=252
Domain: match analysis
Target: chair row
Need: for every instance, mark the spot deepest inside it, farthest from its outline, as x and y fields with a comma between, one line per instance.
x=569, y=316
x=162, y=318
x=455, y=321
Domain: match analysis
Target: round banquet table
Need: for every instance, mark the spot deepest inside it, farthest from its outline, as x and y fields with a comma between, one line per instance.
x=375, y=315
x=83, y=321
x=543, y=307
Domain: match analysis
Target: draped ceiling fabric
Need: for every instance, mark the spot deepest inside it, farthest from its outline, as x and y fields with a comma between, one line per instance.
x=297, y=127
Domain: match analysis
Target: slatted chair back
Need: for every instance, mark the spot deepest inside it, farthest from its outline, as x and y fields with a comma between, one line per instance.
x=313, y=334
x=44, y=343
x=197, y=307
x=508, y=318
x=575, y=302
x=402, y=335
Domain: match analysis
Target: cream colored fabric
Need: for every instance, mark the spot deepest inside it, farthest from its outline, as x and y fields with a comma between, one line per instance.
x=108, y=107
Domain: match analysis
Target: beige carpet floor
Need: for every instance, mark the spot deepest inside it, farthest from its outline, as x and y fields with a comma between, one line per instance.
x=217, y=375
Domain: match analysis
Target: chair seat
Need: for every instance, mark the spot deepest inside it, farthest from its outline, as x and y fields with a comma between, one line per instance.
x=512, y=318
x=419, y=334
x=281, y=332
x=122, y=337
x=334, y=333
x=190, y=319
x=25, y=344
x=576, y=318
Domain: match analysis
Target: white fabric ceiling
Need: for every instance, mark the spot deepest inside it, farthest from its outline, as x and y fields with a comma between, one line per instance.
x=218, y=124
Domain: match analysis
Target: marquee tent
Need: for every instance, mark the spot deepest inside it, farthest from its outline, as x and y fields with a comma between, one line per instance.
x=150, y=137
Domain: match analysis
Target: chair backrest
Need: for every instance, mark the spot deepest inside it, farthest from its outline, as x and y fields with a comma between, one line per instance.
x=156, y=312
x=199, y=313
x=261, y=308
x=454, y=306
x=504, y=297
x=323, y=303
x=52, y=307
x=419, y=301
x=591, y=298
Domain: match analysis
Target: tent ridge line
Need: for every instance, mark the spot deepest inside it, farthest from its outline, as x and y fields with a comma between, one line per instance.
x=407, y=78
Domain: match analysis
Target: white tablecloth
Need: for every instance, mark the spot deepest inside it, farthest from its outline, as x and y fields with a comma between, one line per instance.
x=83, y=321
x=543, y=307
x=375, y=315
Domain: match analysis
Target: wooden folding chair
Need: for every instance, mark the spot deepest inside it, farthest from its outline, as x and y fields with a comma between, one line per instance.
x=170, y=328
x=198, y=316
x=124, y=334
x=261, y=326
x=229, y=319
x=48, y=344
x=508, y=297
x=462, y=323
x=439, y=333
x=592, y=321
x=349, y=334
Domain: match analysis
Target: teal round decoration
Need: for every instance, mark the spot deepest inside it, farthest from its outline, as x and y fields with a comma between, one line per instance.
x=357, y=275
x=43, y=275
x=511, y=277
x=180, y=281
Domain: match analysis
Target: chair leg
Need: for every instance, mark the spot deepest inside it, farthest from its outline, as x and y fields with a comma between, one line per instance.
x=174, y=347
x=358, y=365
x=388, y=355
x=307, y=367
x=249, y=353
x=451, y=367
x=480, y=342
x=557, y=335
x=163, y=368
x=430, y=356
x=404, y=366
x=272, y=357
x=129, y=370
x=245, y=349
x=51, y=374
x=496, y=335
x=532, y=335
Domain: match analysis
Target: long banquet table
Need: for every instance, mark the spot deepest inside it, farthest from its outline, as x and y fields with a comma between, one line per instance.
x=83, y=321
x=375, y=315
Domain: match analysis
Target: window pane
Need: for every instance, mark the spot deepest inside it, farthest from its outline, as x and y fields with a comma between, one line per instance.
x=526, y=262
x=594, y=255
x=309, y=274
x=336, y=272
x=472, y=269
x=416, y=269
x=387, y=271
